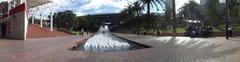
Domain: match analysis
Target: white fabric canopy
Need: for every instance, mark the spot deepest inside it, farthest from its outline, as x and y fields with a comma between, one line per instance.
x=34, y=3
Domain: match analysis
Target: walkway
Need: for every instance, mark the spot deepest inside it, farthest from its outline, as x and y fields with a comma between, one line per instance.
x=165, y=49
x=35, y=31
x=55, y=49
x=185, y=49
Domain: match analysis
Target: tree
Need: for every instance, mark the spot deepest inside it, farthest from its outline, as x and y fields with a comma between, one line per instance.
x=64, y=19
x=167, y=17
x=149, y=3
x=132, y=13
x=234, y=6
x=212, y=13
x=137, y=8
x=191, y=10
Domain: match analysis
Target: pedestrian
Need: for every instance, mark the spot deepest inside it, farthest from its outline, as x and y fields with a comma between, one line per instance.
x=230, y=32
x=204, y=31
x=82, y=31
x=144, y=33
x=88, y=32
x=158, y=33
x=189, y=31
x=193, y=34
x=210, y=30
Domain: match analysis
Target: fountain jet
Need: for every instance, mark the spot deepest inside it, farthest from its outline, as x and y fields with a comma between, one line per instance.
x=104, y=41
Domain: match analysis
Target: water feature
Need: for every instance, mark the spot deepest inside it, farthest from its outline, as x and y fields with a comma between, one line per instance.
x=105, y=41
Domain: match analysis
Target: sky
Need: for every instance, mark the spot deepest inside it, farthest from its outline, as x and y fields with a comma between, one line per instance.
x=85, y=7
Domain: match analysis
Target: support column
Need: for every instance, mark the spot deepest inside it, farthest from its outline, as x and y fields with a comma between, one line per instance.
x=33, y=19
x=51, y=21
x=25, y=20
x=9, y=8
x=41, y=20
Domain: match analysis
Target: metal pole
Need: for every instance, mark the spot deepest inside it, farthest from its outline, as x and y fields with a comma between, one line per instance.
x=227, y=20
x=174, y=16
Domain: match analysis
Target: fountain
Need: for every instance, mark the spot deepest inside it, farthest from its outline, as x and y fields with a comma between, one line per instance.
x=104, y=41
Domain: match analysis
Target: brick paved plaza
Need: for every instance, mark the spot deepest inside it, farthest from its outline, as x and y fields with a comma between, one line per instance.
x=165, y=49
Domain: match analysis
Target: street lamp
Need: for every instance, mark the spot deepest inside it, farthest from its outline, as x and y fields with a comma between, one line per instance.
x=227, y=20
x=174, y=15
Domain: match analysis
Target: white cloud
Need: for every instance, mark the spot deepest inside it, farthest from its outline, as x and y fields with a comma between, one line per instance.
x=80, y=13
x=96, y=4
x=84, y=7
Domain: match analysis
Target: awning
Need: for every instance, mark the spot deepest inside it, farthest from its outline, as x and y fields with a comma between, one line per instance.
x=34, y=3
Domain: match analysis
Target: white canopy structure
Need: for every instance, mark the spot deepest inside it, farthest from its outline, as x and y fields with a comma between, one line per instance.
x=42, y=11
x=34, y=3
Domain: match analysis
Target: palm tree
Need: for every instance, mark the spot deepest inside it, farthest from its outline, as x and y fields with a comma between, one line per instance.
x=152, y=3
x=137, y=8
x=133, y=11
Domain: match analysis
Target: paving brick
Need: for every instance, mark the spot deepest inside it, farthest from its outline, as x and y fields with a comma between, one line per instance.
x=165, y=49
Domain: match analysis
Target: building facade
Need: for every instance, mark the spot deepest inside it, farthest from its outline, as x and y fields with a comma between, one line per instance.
x=13, y=22
x=13, y=17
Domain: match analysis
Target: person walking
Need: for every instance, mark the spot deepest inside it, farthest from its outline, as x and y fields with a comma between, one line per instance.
x=230, y=32
x=82, y=31
x=144, y=33
x=158, y=33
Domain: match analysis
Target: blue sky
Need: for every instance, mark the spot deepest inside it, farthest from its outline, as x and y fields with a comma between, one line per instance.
x=85, y=7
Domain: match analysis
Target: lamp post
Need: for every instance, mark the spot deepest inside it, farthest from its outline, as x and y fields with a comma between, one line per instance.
x=227, y=20
x=174, y=15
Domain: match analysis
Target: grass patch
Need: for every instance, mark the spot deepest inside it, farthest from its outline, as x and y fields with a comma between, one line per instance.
x=179, y=30
x=75, y=32
x=220, y=28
